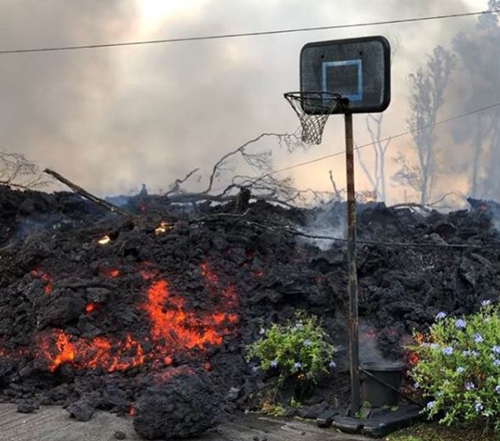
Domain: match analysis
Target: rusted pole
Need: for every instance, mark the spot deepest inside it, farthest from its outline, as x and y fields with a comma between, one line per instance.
x=353, y=321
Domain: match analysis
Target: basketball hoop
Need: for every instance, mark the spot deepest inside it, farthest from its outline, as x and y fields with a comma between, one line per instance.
x=313, y=110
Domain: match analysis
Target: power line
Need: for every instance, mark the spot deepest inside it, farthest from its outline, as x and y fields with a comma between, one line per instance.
x=247, y=34
x=394, y=244
x=399, y=135
x=294, y=232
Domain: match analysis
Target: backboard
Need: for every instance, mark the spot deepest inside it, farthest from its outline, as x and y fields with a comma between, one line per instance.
x=357, y=69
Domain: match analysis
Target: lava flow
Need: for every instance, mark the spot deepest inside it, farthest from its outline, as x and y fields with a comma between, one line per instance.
x=173, y=329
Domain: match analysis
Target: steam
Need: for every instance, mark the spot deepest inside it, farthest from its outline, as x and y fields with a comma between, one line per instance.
x=329, y=223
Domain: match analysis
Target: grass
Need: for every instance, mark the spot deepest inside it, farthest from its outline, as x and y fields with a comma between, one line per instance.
x=436, y=432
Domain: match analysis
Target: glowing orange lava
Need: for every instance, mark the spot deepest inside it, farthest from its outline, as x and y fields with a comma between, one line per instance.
x=45, y=277
x=110, y=273
x=412, y=359
x=174, y=328
x=57, y=347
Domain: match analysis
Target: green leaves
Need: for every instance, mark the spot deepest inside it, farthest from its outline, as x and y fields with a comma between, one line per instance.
x=298, y=349
x=459, y=366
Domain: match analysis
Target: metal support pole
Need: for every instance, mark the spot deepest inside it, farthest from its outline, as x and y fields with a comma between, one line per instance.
x=353, y=321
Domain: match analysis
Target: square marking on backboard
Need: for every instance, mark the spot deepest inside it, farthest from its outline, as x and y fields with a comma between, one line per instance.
x=344, y=78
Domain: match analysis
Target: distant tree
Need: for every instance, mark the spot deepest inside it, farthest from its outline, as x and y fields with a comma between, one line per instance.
x=376, y=176
x=427, y=92
x=374, y=124
x=481, y=65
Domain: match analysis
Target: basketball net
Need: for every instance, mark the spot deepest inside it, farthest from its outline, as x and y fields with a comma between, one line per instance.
x=313, y=110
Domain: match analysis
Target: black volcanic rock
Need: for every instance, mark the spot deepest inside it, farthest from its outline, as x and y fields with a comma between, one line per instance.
x=85, y=324
x=181, y=408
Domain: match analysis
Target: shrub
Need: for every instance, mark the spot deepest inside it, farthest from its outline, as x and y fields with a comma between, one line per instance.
x=298, y=349
x=458, y=366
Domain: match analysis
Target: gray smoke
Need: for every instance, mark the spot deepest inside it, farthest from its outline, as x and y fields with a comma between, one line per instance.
x=111, y=119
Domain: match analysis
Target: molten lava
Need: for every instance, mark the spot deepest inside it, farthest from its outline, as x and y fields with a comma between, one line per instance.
x=173, y=329
x=89, y=307
x=45, y=277
x=110, y=273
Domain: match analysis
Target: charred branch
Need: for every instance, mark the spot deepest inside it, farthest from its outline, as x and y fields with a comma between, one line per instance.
x=265, y=187
x=85, y=194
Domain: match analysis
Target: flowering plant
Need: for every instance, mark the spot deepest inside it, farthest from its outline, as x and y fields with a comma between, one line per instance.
x=458, y=366
x=298, y=349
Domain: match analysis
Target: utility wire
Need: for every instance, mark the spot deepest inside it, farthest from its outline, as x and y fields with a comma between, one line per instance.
x=399, y=135
x=246, y=34
x=294, y=232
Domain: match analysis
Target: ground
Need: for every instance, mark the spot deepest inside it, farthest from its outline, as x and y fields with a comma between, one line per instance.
x=51, y=423
x=436, y=432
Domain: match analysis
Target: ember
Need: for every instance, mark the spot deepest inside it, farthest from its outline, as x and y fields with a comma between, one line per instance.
x=162, y=228
x=104, y=240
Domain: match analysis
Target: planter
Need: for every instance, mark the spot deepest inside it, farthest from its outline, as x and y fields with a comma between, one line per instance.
x=375, y=392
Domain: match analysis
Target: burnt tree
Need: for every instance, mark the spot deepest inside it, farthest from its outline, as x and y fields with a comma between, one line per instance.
x=427, y=95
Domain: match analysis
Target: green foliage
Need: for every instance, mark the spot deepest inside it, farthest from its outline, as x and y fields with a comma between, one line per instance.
x=459, y=367
x=298, y=349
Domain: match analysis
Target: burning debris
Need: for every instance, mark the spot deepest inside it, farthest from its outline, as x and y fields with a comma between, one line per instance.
x=162, y=313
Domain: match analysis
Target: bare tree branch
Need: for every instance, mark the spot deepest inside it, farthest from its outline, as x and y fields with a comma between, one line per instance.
x=176, y=187
x=18, y=172
x=336, y=192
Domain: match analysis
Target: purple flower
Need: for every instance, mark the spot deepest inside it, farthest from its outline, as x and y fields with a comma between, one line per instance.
x=486, y=303
x=431, y=404
x=274, y=363
x=496, y=363
x=475, y=354
x=460, y=369
x=497, y=389
x=496, y=349
x=434, y=346
x=469, y=385
x=332, y=365
x=297, y=365
x=416, y=386
x=460, y=324
x=440, y=315
x=478, y=407
x=307, y=343
x=478, y=338
x=448, y=350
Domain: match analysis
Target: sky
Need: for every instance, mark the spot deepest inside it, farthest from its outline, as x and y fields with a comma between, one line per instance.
x=112, y=119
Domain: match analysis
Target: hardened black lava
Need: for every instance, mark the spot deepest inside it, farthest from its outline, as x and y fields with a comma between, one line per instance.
x=85, y=297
